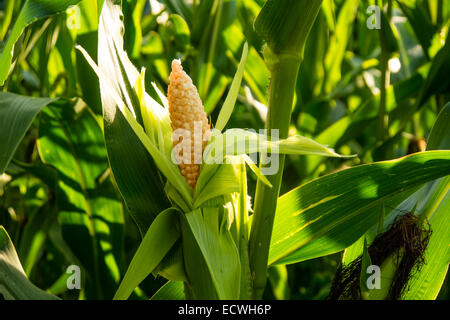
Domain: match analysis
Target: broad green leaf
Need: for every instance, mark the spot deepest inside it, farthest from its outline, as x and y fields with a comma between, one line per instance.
x=433, y=201
x=14, y=284
x=434, y=204
x=71, y=140
x=353, y=251
x=172, y=290
x=158, y=240
x=134, y=170
x=114, y=103
x=16, y=115
x=314, y=220
x=230, y=101
x=211, y=256
x=31, y=11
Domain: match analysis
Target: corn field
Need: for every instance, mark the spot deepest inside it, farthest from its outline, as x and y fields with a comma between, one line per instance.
x=224, y=149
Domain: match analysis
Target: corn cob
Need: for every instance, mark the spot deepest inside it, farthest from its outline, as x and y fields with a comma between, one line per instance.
x=186, y=111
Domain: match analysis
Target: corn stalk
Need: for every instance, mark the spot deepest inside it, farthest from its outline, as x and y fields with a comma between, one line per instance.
x=284, y=25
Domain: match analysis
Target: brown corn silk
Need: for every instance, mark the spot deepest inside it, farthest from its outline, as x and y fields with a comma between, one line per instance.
x=187, y=113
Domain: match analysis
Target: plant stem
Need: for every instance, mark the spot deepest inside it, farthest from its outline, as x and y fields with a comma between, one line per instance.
x=284, y=69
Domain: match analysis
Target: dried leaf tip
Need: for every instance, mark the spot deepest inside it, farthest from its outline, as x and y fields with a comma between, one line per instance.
x=189, y=122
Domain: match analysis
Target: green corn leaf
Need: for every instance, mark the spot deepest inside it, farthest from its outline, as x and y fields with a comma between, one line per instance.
x=426, y=284
x=433, y=201
x=133, y=168
x=353, y=251
x=14, y=284
x=222, y=148
x=172, y=290
x=311, y=219
x=238, y=141
x=16, y=115
x=224, y=180
x=31, y=11
x=172, y=266
x=167, y=167
x=115, y=83
x=228, y=105
x=256, y=170
x=212, y=264
x=159, y=239
x=71, y=140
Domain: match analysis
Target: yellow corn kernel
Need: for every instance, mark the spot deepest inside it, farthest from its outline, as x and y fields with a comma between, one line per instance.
x=187, y=113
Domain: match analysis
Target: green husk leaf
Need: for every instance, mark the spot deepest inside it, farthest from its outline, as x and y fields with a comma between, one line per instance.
x=159, y=239
x=212, y=265
x=133, y=168
x=228, y=105
x=225, y=180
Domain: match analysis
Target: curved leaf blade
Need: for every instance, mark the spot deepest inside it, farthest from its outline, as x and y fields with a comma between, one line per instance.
x=160, y=237
x=16, y=115
x=14, y=284
x=172, y=290
x=314, y=219
x=211, y=256
x=228, y=105
x=134, y=170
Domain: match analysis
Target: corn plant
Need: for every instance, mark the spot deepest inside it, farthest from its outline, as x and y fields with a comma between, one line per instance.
x=119, y=156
